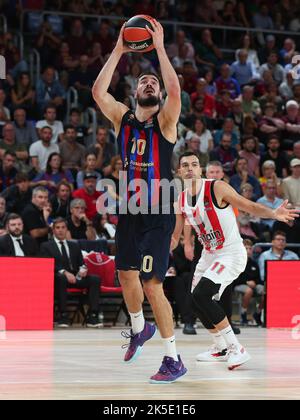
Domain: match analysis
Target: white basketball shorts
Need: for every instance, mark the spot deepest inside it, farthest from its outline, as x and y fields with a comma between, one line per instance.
x=221, y=267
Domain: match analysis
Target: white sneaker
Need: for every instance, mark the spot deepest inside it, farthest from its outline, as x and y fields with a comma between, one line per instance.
x=214, y=354
x=237, y=356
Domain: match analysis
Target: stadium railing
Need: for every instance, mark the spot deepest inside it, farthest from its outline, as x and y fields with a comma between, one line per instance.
x=72, y=100
x=3, y=23
x=19, y=42
x=34, y=66
x=175, y=25
x=268, y=245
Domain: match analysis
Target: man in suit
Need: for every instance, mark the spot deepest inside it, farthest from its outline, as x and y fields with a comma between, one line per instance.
x=70, y=272
x=15, y=243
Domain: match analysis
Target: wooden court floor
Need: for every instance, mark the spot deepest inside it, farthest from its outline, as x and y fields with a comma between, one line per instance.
x=85, y=364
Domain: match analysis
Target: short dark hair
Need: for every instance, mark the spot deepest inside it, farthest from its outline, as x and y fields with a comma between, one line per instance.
x=13, y=216
x=273, y=137
x=273, y=52
x=46, y=127
x=151, y=73
x=21, y=177
x=75, y=110
x=89, y=154
x=49, y=67
x=49, y=107
x=19, y=108
x=59, y=220
x=187, y=154
x=69, y=127
x=238, y=160
x=248, y=137
x=278, y=233
x=8, y=153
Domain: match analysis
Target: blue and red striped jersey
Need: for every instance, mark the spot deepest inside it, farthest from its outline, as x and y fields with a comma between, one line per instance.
x=146, y=154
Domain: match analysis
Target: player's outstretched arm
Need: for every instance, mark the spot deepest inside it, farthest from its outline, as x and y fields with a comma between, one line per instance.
x=226, y=193
x=111, y=108
x=178, y=228
x=171, y=109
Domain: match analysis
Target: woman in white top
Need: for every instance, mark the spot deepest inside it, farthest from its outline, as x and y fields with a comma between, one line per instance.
x=205, y=136
x=247, y=44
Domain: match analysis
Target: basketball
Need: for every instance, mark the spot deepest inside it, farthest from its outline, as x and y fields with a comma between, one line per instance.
x=136, y=36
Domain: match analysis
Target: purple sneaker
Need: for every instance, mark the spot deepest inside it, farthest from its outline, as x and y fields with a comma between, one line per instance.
x=137, y=341
x=169, y=371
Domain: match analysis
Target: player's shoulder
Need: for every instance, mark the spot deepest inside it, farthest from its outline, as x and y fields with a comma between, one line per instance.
x=219, y=189
x=219, y=184
x=127, y=116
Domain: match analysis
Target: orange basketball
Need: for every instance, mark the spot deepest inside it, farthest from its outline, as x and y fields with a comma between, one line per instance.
x=136, y=36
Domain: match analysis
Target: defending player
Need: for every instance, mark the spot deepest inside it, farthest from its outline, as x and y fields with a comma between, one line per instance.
x=208, y=206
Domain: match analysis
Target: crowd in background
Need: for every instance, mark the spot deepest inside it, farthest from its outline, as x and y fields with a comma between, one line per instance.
x=240, y=110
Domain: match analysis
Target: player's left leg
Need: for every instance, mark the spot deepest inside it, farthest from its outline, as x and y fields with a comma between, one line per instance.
x=218, y=351
x=226, y=303
x=172, y=367
x=203, y=296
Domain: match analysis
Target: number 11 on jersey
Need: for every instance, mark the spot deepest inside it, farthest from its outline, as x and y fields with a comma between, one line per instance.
x=219, y=267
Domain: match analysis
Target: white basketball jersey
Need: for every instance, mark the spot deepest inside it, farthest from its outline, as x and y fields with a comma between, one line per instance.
x=216, y=227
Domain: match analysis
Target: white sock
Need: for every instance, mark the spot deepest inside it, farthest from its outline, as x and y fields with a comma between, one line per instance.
x=137, y=322
x=170, y=347
x=219, y=340
x=230, y=337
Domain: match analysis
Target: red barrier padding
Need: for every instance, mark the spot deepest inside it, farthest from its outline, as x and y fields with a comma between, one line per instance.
x=283, y=293
x=27, y=293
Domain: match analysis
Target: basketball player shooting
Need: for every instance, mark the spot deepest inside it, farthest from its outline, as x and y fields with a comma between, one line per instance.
x=207, y=205
x=146, y=140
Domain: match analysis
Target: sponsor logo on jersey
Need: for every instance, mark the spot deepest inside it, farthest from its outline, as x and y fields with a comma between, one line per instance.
x=149, y=123
x=213, y=236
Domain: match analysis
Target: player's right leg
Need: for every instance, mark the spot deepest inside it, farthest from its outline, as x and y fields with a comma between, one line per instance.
x=128, y=263
x=141, y=331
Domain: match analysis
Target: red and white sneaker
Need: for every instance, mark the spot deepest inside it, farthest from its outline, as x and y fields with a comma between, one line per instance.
x=237, y=356
x=214, y=354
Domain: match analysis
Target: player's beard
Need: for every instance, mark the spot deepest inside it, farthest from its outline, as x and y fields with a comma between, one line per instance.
x=148, y=102
x=16, y=234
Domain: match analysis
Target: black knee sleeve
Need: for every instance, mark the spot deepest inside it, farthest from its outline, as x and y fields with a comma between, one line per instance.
x=207, y=323
x=226, y=302
x=203, y=298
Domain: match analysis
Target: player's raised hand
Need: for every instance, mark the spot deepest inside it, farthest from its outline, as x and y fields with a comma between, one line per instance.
x=157, y=34
x=120, y=45
x=284, y=213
